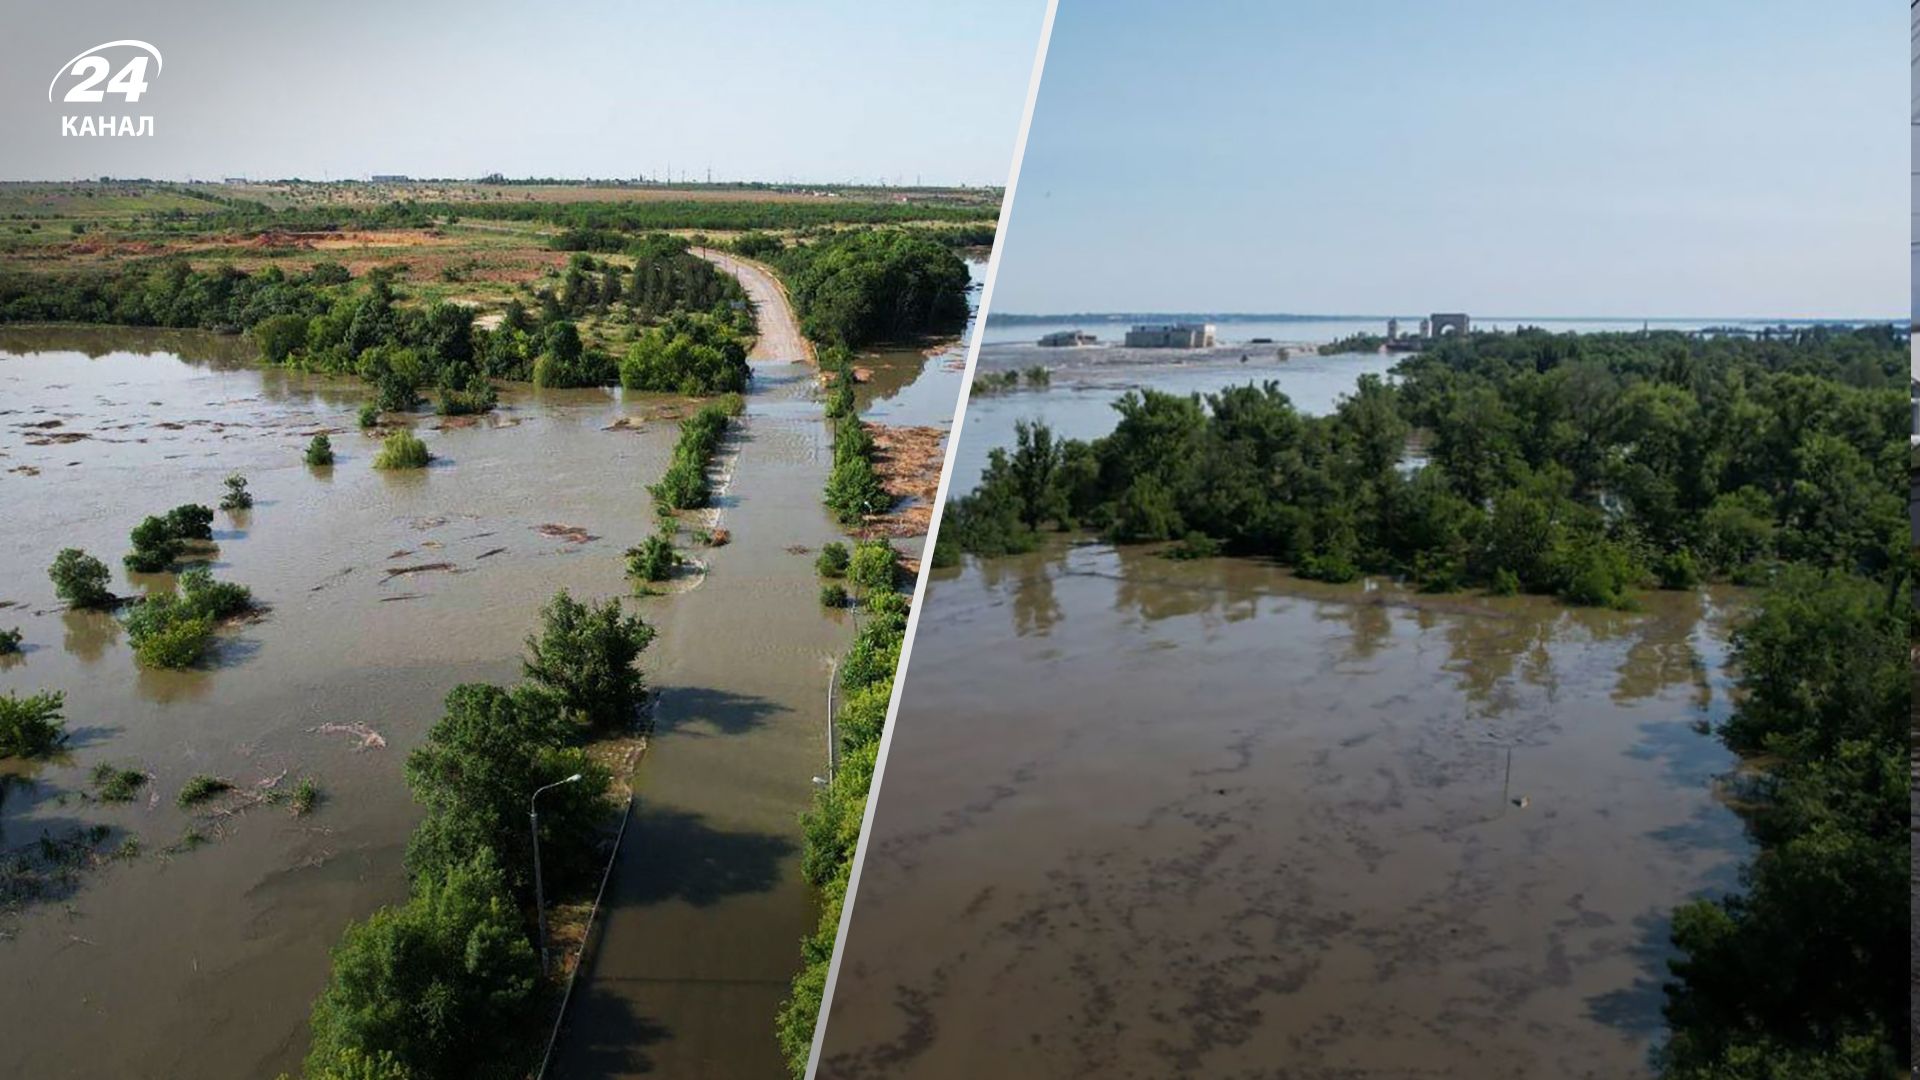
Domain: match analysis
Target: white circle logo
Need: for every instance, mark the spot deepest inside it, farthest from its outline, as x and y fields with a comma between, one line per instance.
x=92, y=69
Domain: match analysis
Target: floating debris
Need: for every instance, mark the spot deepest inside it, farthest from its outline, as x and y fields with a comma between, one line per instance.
x=367, y=738
x=572, y=534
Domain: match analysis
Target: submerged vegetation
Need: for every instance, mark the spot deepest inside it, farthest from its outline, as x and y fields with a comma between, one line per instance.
x=690, y=354
x=859, y=287
x=175, y=630
x=1582, y=466
x=402, y=450
x=81, y=580
x=684, y=486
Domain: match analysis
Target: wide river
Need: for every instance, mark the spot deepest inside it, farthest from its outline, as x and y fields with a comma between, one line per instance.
x=1145, y=818
x=385, y=590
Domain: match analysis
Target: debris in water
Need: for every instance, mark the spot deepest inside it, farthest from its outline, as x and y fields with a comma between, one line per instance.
x=572, y=534
x=368, y=738
x=418, y=568
x=490, y=551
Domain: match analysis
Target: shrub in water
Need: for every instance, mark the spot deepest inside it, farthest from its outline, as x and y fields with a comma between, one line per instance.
x=166, y=634
x=10, y=641
x=80, y=579
x=369, y=415
x=236, y=497
x=203, y=597
x=584, y=655
x=833, y=560
x=116, y=784
x=192, y=522
x=31, y=726
x=872, y=567
x=402, y=450
x=155, y=547
x=320, y=451
x=653, y=560
x=833, y=595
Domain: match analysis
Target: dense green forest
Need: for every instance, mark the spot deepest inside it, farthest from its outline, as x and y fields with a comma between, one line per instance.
x=1583, y=466
x=833, y=825
x=1588, y=466
x=1802, y=973
x=857, y=288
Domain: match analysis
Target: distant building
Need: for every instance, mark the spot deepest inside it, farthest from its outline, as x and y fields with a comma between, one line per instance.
x=1170, y=336
x=1443, y=321
x=1067, y=338
x=1393, y=329
x=391, y=178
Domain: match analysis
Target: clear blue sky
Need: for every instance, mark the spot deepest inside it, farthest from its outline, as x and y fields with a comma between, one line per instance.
x=756, y=89
x=1635, y=159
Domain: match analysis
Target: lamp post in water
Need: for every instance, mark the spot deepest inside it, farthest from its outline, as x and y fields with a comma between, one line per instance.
x=539, y=895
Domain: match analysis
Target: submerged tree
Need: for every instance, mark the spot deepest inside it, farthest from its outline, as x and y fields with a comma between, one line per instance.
x=584, y=655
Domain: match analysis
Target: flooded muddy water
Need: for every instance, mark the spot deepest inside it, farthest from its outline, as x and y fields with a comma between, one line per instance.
x=1147, y=818
x=384, y=590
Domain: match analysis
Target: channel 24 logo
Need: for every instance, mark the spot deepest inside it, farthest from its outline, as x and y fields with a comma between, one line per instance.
x=118, y=68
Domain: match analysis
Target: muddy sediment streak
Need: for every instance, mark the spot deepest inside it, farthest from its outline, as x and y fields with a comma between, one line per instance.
x=1147, y=819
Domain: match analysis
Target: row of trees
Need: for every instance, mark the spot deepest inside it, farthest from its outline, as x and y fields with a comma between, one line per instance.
x=1576, y=465
x=853, y=485
x=832, y=827
x=690, y=353
x=447, y=984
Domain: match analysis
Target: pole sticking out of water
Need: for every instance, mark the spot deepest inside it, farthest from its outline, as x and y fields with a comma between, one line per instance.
x=1506, y=786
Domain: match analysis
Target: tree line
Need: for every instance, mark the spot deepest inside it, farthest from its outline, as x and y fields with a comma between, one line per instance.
x=1578, y=465
x=863, y=286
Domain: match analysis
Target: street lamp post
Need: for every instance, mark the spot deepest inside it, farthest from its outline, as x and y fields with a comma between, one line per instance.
x=539, y=894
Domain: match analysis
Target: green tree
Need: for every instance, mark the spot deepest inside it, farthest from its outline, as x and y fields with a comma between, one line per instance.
x=584, y=655
x=80, y=579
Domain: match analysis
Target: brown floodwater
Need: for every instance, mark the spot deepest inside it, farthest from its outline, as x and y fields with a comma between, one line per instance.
x=205, y=962
x=1147, y=818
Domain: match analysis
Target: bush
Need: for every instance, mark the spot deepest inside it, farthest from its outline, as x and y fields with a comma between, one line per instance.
x=442, y=984
x=155, y=547
x=1677, y=570
x=402, y=450
x=199, y=788
x=203, y=597
x=833, y=560
x=32, y=727
x=320, y=451
x=191, y=522
x=80, y=579
x=10, y=641
x=369, y=415
x=584, y=655
x=873, y=567
x=165, y=632
x=833, y=595
x=236, y=497
x=653, y=560
x=1195, y=545
x=690, y=354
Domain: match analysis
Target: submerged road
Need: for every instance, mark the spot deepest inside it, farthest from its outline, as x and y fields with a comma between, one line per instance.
x=700, y=932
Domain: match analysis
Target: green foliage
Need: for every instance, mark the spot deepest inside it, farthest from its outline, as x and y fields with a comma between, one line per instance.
x=565, y=361
x=653, y=559
x=319, y=451
x=833, y=595
x=481, y=762
x=10, y=641
x=305, y=796
x=861, y=286
x=236, y=498
x=1803, y=972
x=1584, y=466
x=32, y=726
x=199, y=788
x=190, y=522
x=175, y=631
x=837, y=362
x=584, y=655
x=80, y=579
x=873, y=567
x=832, y=827
x=369, y=416
x=853, y=487
x=689, y=354
x=438, y=988
x=114, y=784
x=684, y=485
x=156, y=547
x=833, y=560
x=402, y=450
